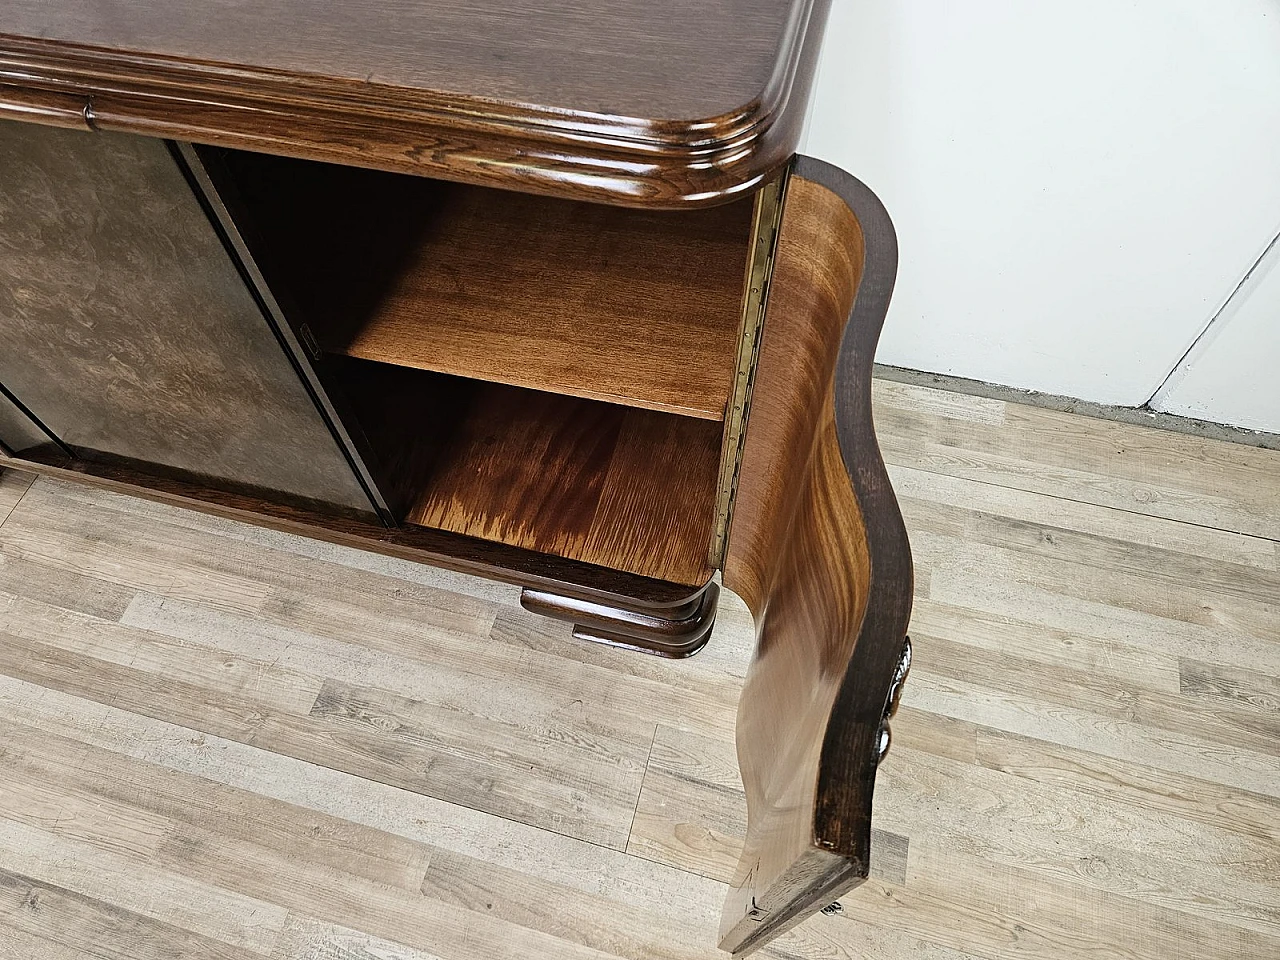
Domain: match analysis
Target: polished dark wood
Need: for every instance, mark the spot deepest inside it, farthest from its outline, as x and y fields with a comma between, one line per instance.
x=668, y=633
x=819, y=553
x=634, y=307
x=618, y=487
x=659, y=103
x=44, y=106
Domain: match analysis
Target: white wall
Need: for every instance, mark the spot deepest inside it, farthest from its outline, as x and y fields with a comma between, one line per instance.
x=1233, y=374
x=1078, y=185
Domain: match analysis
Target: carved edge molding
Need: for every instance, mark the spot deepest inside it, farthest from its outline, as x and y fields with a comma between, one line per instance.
x=628, y=161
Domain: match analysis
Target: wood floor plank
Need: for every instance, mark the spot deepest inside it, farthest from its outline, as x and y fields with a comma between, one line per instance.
x=410, y=743
x=456, y=676
x=255, y=679
x=305, y=937
x=95, y=544
x=1159, y=565
x=383, y=911
x=1063, y=596
x=1053, y=646
x=413, y=636
x=1134, y=590
x=1084, y=765
x=1141, y=469
x=239, y=574
x=936, y=733
x=1161, y=793
x=1130, y=702
x=259, y=776
x=929, y=498
x=1112, y=844
x=82, y=923
x=999, y=912
x=207, y=823
x=692, y=810
x=30, y=946
x=837, y=936
x=1031, y=717
x=456, y=588
x=135, y=793
x=60, y=587
x=446, y=764
x=33, y=801
x=1233, y=686
x=592, y=920
x=129, y=883
x=13, y=484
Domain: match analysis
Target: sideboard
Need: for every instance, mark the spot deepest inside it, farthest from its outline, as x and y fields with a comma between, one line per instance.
x=518, y=289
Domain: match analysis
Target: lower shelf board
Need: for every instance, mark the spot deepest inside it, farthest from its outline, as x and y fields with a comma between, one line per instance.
x=621, y=487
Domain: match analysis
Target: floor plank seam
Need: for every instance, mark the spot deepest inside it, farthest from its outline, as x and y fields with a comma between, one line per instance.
x=640, y=793
x=31, y=482
x=1090, y=503
x=669, y=865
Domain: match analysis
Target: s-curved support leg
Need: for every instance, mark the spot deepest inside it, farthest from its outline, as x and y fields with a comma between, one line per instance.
x=819, y=553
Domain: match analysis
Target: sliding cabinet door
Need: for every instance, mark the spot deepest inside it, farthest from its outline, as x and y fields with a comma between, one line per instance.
x=20, y=434
x=128, y=332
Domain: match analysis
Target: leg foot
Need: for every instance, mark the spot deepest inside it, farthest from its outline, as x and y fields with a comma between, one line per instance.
x=673, y=632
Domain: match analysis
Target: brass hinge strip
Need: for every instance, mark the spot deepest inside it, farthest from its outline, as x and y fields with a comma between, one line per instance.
x=765, y=223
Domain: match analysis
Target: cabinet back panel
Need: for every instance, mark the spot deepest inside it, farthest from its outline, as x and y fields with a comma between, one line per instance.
x=634, y=307
x=127, y=329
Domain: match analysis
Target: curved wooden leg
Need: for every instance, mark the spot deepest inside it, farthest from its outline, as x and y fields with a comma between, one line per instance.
x=677, y=631
x=819, y=553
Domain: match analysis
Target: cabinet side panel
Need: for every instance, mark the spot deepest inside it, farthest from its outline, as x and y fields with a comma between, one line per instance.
x=127, y=330
x=818, y=552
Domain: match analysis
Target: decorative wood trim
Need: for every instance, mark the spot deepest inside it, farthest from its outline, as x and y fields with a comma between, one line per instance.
x=579, y=154
x=676, y=633
x=44, y=106
x=819, y=553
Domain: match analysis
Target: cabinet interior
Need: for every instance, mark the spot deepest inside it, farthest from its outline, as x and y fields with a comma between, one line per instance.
x=539, y=372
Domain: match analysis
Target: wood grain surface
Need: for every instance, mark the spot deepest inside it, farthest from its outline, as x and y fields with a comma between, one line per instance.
x=627, y=306
x=664, y=102
x=617, y=487
x=818, y=551
x=1035, y=805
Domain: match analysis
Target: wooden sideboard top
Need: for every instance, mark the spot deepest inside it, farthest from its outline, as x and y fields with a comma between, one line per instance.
x=639, y=102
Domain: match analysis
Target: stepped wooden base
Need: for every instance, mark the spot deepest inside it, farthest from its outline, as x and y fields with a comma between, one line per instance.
x=679, y=631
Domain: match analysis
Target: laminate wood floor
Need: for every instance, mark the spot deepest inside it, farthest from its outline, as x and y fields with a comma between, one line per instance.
x=223, y=742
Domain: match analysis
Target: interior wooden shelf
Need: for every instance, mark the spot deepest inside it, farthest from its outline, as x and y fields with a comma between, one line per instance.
x=633, y=307
x=622, y=487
